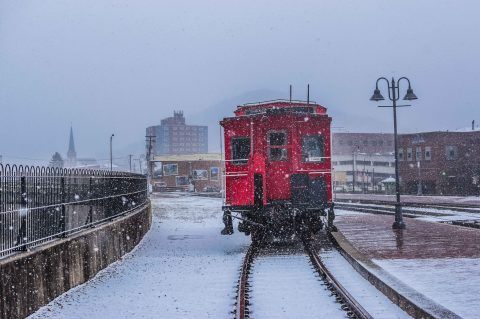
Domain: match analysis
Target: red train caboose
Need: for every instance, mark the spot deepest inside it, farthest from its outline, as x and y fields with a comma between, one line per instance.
x=278, y=168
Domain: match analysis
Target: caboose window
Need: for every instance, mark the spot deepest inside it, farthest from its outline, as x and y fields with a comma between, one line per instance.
x=313, y=148
x=277, y=150
x=240, y=150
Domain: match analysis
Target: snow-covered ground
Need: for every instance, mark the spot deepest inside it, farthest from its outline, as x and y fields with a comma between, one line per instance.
x=452, y=283
x=376, y=303
x=286, y=286
x=183, y=268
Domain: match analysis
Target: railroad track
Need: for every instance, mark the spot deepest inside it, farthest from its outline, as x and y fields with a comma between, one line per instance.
x=387, y=208
x=342, y=297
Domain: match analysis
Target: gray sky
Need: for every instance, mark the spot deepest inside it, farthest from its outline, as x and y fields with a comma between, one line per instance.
x=119, y=66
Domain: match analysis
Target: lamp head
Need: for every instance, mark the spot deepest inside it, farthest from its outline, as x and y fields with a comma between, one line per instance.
x=377, y=96
x=410, y=95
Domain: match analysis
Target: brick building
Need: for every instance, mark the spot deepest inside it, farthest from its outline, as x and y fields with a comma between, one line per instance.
x=443, y=163
x=185, y=172
x=174, y=136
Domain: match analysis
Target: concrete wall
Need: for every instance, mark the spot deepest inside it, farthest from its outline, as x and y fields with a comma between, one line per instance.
x=31, y=279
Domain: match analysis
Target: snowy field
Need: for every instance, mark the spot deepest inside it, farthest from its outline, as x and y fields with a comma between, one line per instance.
x=452, y=283
x=183, y=268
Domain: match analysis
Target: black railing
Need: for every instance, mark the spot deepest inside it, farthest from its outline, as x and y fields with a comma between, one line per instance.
x=38, y=204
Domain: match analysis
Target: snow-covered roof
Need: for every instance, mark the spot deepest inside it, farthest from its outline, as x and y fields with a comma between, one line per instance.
x=189, y=157
x=278, y=101
x=388, y=180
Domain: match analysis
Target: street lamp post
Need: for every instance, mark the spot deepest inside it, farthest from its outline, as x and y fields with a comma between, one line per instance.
x=393, y=95
x=419, y=185
x=111, y=152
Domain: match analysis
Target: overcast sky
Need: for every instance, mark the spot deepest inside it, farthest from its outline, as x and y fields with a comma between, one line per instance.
x=110, y=66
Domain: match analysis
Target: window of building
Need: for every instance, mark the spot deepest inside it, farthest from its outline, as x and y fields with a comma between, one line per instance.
x=240, y=150
x=170, y=169
x=313, y=149
x=409, y=154
x=378, y=163
x=346, y=162
x=214, y=173
x=451, y=152
x=182, y=180
x=277, y=142
x=200, y=174
x=428, y=153
x=418, y=153
x=400, y=154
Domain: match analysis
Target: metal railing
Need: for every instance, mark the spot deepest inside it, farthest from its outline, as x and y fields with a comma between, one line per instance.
x=38, y=204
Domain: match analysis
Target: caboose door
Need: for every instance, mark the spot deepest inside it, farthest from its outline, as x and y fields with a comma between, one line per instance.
x=278, y=165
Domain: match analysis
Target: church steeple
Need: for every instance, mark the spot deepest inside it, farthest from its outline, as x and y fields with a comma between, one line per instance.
x=71, y=154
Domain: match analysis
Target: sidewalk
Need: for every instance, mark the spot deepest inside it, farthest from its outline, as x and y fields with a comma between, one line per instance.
x=439, y=261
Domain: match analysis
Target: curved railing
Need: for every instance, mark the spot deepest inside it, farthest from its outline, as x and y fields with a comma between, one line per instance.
x=38, y=204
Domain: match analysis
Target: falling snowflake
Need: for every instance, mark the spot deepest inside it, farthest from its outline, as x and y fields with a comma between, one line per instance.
x=77, y=197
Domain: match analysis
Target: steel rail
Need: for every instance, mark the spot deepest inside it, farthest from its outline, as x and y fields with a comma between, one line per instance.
x=353, y=308
x=411, y=213
x=241, y=311
x=471, y=208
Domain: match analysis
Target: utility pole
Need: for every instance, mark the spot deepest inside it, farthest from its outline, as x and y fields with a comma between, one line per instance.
x=150, y=139
x=130, y=161
x=140, y=164
x=111, y=152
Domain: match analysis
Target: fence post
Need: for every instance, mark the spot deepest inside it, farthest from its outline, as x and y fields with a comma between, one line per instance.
x=22, y=232
x=63, y=211
x=90, y=195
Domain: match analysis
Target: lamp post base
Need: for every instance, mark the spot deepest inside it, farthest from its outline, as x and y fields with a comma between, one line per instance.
x=398, y=223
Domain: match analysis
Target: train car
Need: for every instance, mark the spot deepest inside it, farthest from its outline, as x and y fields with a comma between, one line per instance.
x=278, y=178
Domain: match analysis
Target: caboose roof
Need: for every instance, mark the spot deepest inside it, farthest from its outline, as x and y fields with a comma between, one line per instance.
x=260, y=107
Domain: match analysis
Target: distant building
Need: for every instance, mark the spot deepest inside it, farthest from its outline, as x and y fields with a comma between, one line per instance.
x=363, y=159
x=202, y=172
x=173, y=136
x=442, y=163
x=71, y=160
x=370, y=143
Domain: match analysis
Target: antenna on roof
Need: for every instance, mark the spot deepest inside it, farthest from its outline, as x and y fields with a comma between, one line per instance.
x=308, y=94
x=290, y=93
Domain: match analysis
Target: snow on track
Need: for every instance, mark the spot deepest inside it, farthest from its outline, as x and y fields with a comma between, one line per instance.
x=183, y=268
x=376, y=303
x=286, y=286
